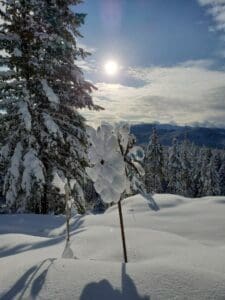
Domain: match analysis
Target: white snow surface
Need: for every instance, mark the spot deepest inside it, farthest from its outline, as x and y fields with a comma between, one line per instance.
x=175, y=253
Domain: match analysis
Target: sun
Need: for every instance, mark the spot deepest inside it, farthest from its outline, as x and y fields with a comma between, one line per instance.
x=111, y=67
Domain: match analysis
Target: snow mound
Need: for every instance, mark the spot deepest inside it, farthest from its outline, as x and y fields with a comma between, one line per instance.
x=175, y=253
x=169, y=200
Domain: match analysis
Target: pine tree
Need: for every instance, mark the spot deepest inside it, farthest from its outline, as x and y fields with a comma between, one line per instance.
x=209, y=175
x=205, y=156
x=153, y=165
x=222, y=178
x=41, y=89
x=212, y=181
x=174, y=169
x=196, y=165
x=217, y=159
x=185, y=176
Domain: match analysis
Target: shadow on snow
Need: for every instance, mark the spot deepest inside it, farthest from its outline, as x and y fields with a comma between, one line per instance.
x=32, y=279
x=4, y=251
x=29, y=285
x=104, y=290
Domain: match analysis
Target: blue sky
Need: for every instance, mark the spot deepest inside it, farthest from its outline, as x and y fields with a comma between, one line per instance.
x=171, y=58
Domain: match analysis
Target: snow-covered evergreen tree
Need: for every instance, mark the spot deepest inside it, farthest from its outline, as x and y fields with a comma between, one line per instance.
x=186, y=174
x=174, y=169
x=205, y=158
x=153, y=164
x=41, y=87
x=196, y=165
x=210, y=176
x=222, y=178
x=217, y=159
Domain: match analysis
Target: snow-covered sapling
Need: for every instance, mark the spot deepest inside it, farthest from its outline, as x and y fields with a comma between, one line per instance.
x=115, y=167
x=107, y=169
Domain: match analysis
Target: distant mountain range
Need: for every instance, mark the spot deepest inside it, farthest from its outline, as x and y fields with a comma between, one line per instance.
x=209, y=137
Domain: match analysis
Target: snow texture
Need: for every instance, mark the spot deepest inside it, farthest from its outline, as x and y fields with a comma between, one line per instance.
x=175, y=253
x=33, y=171
x=52, y=97
x=122, y=130
x=52, y=127
x=4, y=152
x=25, y=115
x=59, y=181
x=17, y=52
x=11, y=181
x=108, y=171
x=68, y=252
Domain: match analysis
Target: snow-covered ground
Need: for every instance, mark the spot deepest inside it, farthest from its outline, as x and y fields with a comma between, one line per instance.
x=175, y=253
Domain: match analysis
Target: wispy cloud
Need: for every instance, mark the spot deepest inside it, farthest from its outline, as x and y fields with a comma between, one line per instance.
x=88, y=65
x=216, y=8
x=187, y=93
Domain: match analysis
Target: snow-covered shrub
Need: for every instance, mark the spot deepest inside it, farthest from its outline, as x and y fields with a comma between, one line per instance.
x=116, y=168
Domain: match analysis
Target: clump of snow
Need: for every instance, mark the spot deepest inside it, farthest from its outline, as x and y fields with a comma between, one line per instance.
x=25, y=114
x=33, y=171
x=115, y=163
x=4, y=152
x=122, y=130
x=77, y=75
x=52, y=127
x=17, y=52
x=52, y=97
x=59, y=181
x=68, y=252
x=108, y=170
x=12, y=177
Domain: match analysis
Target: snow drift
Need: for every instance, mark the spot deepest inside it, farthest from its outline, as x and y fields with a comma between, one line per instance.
x=175, y=253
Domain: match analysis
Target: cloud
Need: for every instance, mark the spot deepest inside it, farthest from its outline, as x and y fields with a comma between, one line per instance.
x=87, y=65
x=216, y=8
x=187, y=93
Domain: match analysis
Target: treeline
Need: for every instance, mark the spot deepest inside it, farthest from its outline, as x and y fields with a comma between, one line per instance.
x=184, y=169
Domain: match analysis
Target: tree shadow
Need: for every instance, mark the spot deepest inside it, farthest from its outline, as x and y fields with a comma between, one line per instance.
x=37, y=227
x=104, y=290
x=29, y=280
x=50, y=242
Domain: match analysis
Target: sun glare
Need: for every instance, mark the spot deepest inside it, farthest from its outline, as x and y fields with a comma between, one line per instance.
x=111, y=67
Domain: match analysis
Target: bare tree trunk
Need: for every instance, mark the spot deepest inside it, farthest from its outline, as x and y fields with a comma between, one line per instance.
x=68, y=214
x=122, y=232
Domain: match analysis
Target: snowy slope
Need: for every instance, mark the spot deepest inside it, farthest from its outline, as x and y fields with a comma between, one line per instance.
x=176, y=253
